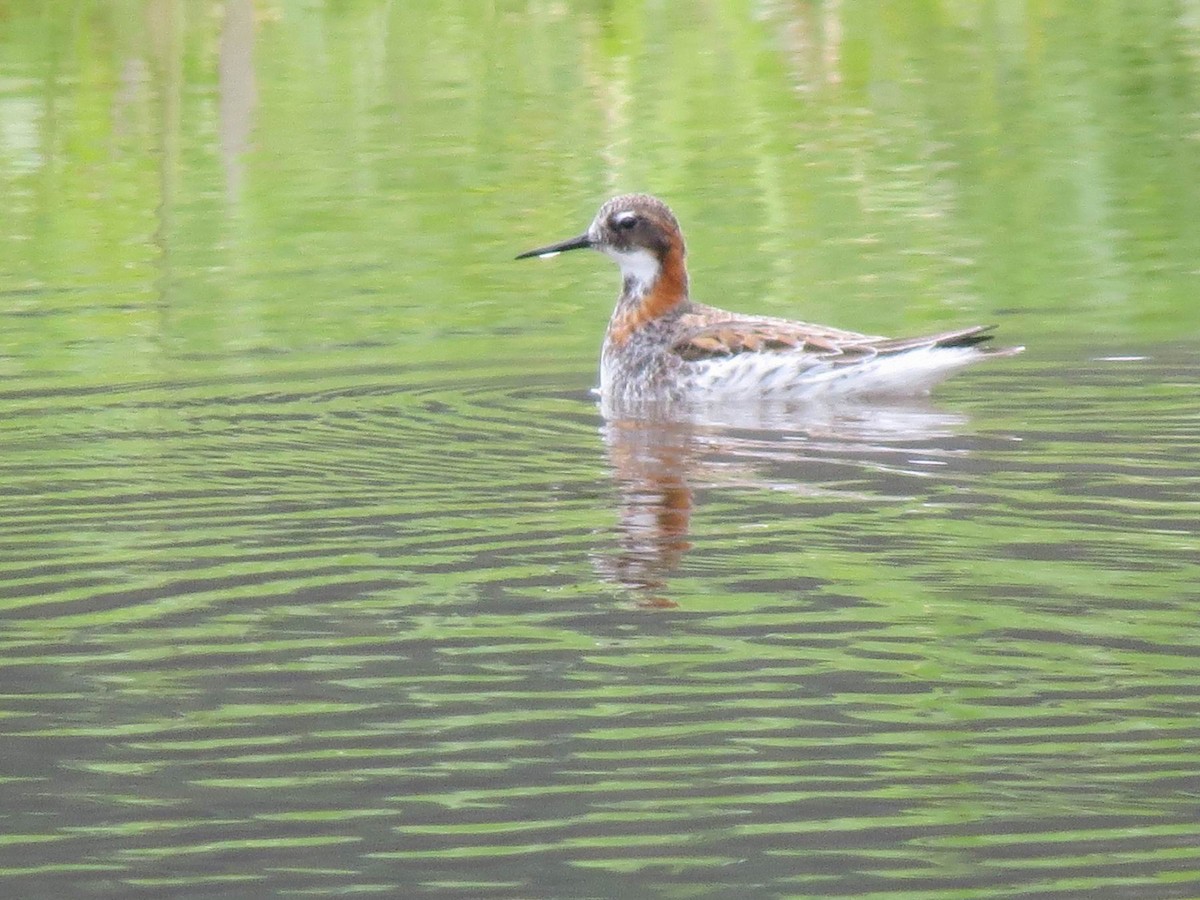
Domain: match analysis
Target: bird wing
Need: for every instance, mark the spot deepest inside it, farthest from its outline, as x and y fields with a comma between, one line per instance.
x=707, y=337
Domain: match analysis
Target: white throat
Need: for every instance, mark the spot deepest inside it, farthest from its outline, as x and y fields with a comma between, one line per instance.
x=639, y=268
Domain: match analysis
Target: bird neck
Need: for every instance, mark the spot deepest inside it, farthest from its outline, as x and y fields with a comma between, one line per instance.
x=653, y=287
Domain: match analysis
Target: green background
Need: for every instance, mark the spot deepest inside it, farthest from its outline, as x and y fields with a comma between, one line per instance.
x=321, y=574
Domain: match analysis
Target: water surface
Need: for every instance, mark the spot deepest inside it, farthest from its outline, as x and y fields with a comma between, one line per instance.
x=321, y=572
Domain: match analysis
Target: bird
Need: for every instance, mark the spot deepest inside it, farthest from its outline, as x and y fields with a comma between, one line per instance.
x=662, y=345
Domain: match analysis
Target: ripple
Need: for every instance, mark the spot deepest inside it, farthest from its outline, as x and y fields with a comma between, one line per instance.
x=328, y=627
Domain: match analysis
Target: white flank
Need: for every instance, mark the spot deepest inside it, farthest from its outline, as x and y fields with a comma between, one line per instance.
x=795, y=377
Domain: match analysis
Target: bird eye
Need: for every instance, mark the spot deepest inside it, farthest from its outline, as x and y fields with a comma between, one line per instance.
x=625, y=221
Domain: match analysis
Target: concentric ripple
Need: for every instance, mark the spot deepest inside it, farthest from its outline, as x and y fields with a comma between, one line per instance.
x=355, y=630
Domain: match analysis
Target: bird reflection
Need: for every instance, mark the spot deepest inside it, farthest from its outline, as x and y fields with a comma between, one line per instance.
x=660, y=456
x=651, y=461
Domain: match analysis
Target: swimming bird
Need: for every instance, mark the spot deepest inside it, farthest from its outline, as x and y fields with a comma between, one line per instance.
x=661, y=345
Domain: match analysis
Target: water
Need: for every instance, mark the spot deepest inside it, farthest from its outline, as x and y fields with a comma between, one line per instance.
x=321, y=572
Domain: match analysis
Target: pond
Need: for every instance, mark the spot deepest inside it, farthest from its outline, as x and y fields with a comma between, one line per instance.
x=323, y=573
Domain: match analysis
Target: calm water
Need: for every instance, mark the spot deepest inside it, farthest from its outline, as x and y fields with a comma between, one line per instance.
x=322, y=574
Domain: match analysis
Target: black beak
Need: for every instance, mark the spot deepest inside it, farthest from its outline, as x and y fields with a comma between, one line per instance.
x=575, y=243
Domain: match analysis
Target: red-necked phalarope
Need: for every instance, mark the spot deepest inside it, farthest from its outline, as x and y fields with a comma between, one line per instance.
x=661, y=344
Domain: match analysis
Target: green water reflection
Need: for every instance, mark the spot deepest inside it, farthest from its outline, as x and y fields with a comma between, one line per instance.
x=321, y=573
